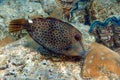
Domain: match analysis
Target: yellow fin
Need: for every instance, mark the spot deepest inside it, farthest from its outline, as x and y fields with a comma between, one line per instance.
x=17, y=25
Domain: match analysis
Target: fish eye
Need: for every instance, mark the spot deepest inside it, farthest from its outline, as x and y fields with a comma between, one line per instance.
x=77, y=37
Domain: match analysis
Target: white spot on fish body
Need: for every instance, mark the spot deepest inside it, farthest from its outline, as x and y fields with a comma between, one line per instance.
x=30, y=21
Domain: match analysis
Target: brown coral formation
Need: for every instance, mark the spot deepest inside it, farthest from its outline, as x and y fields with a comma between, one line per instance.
x=66, y=5
x=100, y=10
x=101, y=62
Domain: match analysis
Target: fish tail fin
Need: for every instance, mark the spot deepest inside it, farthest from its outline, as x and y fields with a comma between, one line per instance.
x=17, y=25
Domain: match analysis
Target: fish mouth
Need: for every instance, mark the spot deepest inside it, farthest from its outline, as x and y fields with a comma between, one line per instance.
x=83, y=52
x=77, y=50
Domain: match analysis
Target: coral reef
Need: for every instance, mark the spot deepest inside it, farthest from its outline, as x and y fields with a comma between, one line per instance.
x=112, y=20
x=20, y=60
x=81, y=7
x=100, y=10
x=108, y=32
x=66, y=6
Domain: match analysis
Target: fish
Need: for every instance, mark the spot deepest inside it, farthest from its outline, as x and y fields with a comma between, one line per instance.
x=55, y=35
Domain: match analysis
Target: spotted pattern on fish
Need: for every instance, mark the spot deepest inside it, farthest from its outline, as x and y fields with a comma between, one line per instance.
x=53, y=34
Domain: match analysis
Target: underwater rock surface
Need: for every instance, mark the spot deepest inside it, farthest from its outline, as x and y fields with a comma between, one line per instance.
x=12, y=9
x=101, y=65
x=20, y=63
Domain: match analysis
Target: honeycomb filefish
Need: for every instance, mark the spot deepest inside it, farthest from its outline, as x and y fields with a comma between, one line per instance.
x=53, y=34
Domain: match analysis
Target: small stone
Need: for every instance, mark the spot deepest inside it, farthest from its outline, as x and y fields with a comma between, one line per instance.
x=44, y=62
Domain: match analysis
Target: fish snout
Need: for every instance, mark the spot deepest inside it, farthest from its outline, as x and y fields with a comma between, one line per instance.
x=76, y=50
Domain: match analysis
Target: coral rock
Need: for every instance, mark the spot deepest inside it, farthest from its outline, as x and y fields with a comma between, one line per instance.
x=102, y=63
